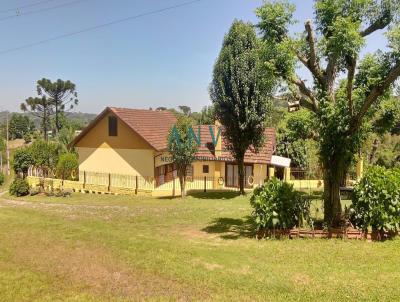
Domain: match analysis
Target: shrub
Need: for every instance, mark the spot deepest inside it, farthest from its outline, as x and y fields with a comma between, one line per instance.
x=27, y=138
x=278, y=206
x=2, y=178
x=376, y=200
x=67, y=165
x=22, y=161
x=19, y=187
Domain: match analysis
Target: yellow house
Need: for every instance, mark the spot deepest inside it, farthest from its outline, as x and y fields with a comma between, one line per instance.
x=133, y=143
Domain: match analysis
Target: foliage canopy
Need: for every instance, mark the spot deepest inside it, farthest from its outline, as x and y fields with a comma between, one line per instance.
x=342, y=105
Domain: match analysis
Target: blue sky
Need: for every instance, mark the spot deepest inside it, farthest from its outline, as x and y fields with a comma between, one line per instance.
x=159, y=60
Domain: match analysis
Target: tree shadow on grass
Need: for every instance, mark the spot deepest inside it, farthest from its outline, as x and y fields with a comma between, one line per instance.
x=205, y=195
x=215, y=195
x=232, y=228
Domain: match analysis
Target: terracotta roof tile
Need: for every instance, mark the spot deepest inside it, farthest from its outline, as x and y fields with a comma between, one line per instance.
x=263, y=156
x=152, y=125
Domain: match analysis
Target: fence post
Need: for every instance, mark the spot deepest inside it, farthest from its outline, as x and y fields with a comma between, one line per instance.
x=109, y=182
x=84, y=179
x=205, y=184
x=137, y=185
x=173, y=186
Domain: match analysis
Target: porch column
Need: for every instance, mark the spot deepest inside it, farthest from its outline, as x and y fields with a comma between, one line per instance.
x=271, y=172
x=286, y=175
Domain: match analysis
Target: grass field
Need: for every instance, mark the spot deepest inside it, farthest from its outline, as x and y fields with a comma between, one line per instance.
x=118, y=248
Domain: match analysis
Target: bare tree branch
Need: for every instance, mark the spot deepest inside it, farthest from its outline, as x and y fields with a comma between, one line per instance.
x=306, y=92
x=302, y=59
x=375, y=93
x=381, y=23
x=312, y=63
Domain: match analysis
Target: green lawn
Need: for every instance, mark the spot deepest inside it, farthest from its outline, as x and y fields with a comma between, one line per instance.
x=119, y=248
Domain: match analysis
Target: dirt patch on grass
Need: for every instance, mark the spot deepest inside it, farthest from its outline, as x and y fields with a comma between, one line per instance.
x=207, y=265
x=95, y=270
x=192, y=233
x=71, y=211
x=301, y=279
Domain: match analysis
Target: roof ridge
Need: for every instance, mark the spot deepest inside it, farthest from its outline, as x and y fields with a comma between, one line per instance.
x=139, y=109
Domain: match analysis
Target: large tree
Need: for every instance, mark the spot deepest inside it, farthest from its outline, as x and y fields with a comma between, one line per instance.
x=346, y=86
x=63, y=95
x=41, y=108
x=240, y=92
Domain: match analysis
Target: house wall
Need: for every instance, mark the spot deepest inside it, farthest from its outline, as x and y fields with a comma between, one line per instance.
x=126, y=153
x=260, y=174
x=117, y=161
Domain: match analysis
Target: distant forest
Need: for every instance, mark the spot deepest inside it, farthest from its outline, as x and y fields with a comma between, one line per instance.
x=78, y=118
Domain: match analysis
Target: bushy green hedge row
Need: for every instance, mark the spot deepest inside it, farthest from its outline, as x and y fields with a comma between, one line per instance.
x=376, y=200
x=2, y=178
x=278, y=206
x=47, y=156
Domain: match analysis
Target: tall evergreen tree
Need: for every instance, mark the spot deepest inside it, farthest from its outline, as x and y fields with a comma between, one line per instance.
x=63, y=95
x=240, y=92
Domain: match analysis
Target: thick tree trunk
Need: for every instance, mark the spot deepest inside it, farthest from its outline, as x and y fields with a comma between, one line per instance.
x=241, y=176
x=332, y=205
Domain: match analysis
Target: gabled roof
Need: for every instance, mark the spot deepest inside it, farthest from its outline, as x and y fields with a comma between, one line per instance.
x=152, y=126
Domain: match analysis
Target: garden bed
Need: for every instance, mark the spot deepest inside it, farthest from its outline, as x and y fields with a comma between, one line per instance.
x=348, y=233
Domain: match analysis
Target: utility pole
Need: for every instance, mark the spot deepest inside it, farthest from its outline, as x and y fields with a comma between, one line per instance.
x=8, y=148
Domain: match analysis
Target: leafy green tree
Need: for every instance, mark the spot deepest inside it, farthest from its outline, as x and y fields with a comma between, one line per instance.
x=42, y=108
x=67, y=165
x=382, y=149
x=342, y=106
x=65, y=137
x=20, y=126
x=293, y=135
x=45, y=156
x=61, y=93
x=240, y=92
x=183, y=148
x=22, y=161
x=206, y=116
